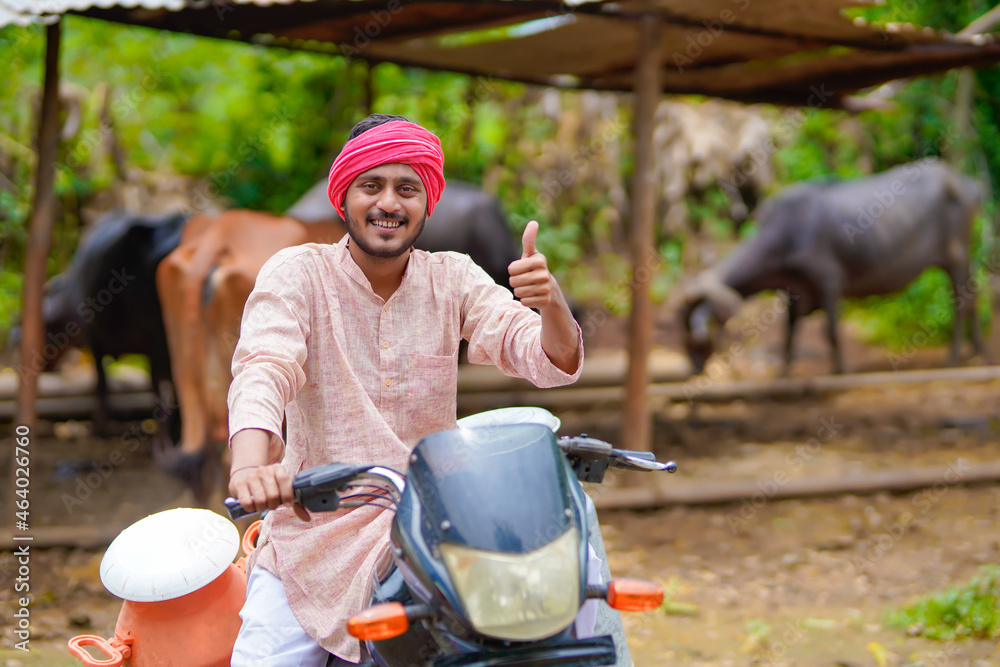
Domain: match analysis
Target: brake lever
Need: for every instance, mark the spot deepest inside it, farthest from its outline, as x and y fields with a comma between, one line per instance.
x=633, y=453
x=641, y=463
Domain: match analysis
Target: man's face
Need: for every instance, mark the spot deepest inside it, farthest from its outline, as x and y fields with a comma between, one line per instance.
x=385, y=210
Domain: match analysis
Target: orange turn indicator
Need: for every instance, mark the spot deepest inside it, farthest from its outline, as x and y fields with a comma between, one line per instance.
x=634, y=595
x=383, y=621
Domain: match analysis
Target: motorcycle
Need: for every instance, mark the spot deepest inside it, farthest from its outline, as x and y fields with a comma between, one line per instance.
x=489, y=545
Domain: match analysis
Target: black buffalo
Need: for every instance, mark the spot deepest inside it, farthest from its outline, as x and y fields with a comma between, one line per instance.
x=107, y=302
x=820, y=242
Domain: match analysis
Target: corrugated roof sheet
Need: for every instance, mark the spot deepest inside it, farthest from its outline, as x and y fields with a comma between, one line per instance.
x=778, y=51
x=26, y=12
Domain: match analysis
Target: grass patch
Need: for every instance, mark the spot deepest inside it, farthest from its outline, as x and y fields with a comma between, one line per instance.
x=971, y=611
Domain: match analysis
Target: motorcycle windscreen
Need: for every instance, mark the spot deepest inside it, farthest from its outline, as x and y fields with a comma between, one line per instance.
x=496, y=488
x=496, y=504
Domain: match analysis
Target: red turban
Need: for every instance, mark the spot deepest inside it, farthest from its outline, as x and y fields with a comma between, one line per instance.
x=395, y=141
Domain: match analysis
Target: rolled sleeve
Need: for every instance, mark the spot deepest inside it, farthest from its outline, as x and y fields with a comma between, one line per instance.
x=269, y=358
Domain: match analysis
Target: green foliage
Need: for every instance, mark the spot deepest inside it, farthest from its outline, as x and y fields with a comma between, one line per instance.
x=19, y=51
x=11, y=287
x=712, y=212
x=921, y=315
x=464, y=111
x=939, y=14
x=129, y=361
x=256, y=123
x=258, y=126
x=971, y=611
x=928, y=102
x=822, y=146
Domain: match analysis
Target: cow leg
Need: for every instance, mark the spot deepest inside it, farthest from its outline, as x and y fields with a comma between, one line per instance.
x=224, y=292
x=793, y=316
x=964, y=300
x=979, y=348
x=828, y=302
x=99, y=423
x=167, y=416
x=960, y=316
x=167, y=413
x=977, y=339
x=180, y=296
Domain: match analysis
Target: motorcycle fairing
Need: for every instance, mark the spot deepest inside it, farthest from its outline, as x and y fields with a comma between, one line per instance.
x=498, y=488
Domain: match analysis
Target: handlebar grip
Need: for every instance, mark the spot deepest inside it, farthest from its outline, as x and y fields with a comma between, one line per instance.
x=236, y=510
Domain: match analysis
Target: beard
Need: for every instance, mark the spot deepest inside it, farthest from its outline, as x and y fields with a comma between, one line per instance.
x=354, y=230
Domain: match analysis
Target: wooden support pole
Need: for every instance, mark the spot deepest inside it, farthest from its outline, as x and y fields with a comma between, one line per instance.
x=637, y=424
x=39, y=241
x=39, y=234
x=368, y=70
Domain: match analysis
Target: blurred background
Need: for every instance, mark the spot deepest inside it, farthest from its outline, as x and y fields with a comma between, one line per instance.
x=757, y=570
x=164, y=121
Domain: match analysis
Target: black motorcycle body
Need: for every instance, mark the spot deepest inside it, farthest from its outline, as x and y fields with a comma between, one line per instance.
x=490, y=547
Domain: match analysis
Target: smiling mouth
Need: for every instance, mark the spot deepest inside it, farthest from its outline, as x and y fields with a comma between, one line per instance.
x=384, y=223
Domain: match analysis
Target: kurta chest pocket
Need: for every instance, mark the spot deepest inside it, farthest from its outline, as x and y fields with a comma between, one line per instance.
x=430, y=385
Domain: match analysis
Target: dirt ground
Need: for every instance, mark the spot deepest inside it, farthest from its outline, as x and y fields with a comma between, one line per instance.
x=756, y=582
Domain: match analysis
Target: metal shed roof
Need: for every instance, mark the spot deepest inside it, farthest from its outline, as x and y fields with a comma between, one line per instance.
x=776, y=51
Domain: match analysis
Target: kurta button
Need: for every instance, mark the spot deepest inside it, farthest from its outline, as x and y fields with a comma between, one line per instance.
x=385, y=345
x=388, y=382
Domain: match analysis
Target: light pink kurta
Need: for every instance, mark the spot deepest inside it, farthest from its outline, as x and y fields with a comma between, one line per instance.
x=362, y=380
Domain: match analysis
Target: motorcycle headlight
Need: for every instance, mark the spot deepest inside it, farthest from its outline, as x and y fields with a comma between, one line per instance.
x=518, y=597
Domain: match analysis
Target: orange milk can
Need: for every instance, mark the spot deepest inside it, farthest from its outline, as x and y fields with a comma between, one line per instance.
x=182, y=592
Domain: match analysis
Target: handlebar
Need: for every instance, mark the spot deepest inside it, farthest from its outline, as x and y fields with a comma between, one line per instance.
x=320, y=489
x=591, y=458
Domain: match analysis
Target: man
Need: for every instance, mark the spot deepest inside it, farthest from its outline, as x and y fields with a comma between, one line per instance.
x=355, y=345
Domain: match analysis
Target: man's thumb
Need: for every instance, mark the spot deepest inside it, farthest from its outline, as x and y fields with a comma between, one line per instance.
x=528, y=239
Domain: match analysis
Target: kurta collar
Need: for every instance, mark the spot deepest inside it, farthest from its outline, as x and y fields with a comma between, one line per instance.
x=352, y=269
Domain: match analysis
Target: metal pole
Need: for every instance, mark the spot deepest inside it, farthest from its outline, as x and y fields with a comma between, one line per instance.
x=637, y=424
x=39, y=235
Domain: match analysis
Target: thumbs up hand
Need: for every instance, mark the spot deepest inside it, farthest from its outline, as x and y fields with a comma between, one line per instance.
x=537, y=288
x=529, y=276
x=528, y=239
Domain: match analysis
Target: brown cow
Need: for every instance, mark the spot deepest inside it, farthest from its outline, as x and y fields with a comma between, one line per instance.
x=203, y=285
